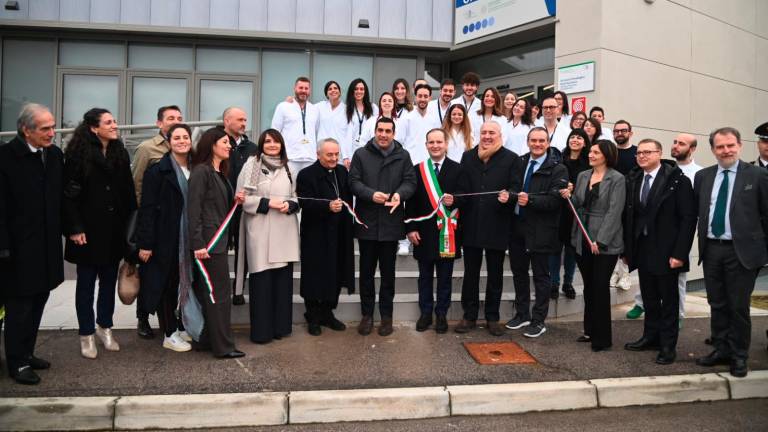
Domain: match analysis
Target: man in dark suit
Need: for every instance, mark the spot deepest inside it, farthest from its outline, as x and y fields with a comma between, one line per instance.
x=534, y=232
x=659, y=223
x=31, y=262
x=733, y=224
x=436, y=243
x=762, y=145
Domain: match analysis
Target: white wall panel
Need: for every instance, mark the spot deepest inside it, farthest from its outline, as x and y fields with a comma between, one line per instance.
x=281, y=16
x=195, y=13
x=392, y=19
x=44, y=10
x=253, y=15
x=365, y=9
x=310, y=17
x=105, y=11
x=135, y=12
x=75, y=10
x=165, y=13
x=418, y=19
x=442, y=21
x=224, y=13
x=338, y=17
x=21, y=14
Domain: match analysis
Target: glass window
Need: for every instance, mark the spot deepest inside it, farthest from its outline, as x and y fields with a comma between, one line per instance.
x=228, y=60
x=279, y=72
x=27, y=76
x=92, y=54
x=149, y=94
x=388, y=69
x=341, y=68
x=83, y=92
x=218, y=95
x=163, y=57
x=534, y=56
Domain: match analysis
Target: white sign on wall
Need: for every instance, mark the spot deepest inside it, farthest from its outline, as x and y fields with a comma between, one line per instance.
x=477, y=18
x=577, y=78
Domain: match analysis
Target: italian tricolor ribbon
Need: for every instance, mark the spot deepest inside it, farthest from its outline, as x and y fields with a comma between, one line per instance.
x=212, y=244
x=446, y=220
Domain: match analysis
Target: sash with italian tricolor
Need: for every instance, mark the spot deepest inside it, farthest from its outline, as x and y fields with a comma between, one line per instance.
x=212, y=244
x=446, y=221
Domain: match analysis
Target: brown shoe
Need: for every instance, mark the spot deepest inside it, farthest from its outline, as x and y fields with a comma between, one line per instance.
x=464, y=326
x=366, y=325
x=495, y=328
x=385, y=328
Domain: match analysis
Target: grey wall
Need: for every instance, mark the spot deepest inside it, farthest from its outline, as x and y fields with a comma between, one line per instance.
x=423, y=20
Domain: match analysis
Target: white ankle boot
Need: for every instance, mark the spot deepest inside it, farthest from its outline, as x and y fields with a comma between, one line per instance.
x=107, y=338
x=88, y=347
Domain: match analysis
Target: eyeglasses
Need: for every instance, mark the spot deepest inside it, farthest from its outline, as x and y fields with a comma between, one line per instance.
x=646, y=153
x=549, y=107
x=620, y=131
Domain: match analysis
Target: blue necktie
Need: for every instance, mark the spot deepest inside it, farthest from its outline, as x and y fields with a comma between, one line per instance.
x=645, y=190
x=527, y=182
x=718, y=217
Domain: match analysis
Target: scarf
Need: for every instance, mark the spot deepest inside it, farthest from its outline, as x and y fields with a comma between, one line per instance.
x=485, y=155
x=190, y=309
x=273, y=163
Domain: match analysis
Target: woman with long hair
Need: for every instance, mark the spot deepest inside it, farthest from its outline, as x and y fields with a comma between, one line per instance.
x=269, y=230
x=403, y=98
x=332, y=114
x=509, y=101
x=386, y=109
x=490, y=110
x=577, y=120
x=563, y=111
x=593, y=129
x=598, y=197
x=210, y=198
x=99, y=198
x=515, y=131
x=162, y=236
x=358, y=110
x=456, y=125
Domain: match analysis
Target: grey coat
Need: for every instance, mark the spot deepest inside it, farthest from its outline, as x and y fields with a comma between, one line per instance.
x=210, y=198
x=605, y=216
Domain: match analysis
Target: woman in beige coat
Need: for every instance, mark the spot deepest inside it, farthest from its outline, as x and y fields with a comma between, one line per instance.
x=269, y=229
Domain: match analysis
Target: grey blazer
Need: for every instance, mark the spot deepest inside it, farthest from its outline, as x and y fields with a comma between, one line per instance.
x=748, y=212
x=605, y=217
x=209, y=201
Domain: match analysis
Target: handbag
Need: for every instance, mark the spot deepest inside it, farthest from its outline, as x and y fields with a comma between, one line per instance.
x=128, y=283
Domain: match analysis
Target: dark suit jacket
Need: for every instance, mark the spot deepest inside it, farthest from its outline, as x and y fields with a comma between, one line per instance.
x=210, y=198
x=748, y=212
x=669, y=216
x=420, y=205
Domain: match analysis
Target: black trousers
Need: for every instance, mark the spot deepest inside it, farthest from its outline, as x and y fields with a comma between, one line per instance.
x=318, y=311
x=383, y=254
x=22, y=321
x=661, y=301
x=729, y=287
x=271, y=303
x=217, y=331
x=470, y=287
x=427, y=269
x=519, y=261
x=596, y=272
x=166, y=312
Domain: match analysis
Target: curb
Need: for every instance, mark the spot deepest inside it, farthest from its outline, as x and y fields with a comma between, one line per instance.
x=331, y=406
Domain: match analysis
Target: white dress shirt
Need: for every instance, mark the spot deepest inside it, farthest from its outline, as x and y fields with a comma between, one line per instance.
x=650, y=182
x=436, y=112
x=300, y=134
x=456, y=147
x=516, y=137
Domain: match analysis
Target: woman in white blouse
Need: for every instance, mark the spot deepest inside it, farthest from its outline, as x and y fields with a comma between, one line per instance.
x=332, y=121
x=490, y=110
x=456, y=124
x=358, y=110
x=387, y=109
x=515, y=131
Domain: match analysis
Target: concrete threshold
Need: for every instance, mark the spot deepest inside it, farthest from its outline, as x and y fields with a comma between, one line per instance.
x=185, y=411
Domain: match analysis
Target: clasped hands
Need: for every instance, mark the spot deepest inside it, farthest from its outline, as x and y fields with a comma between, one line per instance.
x=389, y=200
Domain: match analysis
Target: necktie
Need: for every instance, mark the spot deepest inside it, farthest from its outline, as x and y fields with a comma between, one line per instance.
x=527, y=183
x=41, y=156
x=437, y=168
x=644, y=191
x=718, y=217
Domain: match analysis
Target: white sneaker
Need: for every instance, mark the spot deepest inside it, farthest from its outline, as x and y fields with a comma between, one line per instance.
x=615, y=278
x=403, y=250
x=625, y=282
x=185, y=336
x=174, y=342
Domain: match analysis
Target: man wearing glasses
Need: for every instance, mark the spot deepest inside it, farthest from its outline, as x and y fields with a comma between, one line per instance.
x=622, y=132
x=558, y=131
x=659, y=222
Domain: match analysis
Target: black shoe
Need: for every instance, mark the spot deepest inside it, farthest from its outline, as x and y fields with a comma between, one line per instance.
x=569, y=292
x=333, y=324
x=37, y=363
x=464, y=326
x=642, y=344
x=385, y=328
x=708, y=341
x=425, y=320
x=232, y=355
x=314, y=329
x=583, y=338
x=714, y=358
x=596, y=348
x=554, y=294
x=495, y=328
x=666, y=357
x=517, y=323
x=739, y=367
x=441, y=325
x=366, y=325
x=238, y=300
x=25, y=375
x=144, y=330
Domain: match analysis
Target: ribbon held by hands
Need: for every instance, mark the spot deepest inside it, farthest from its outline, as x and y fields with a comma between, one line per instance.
x=578, y=221
x=212, y=244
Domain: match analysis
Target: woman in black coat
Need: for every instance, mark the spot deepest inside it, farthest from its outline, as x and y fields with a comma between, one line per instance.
x=99, y=198
x=163, y=238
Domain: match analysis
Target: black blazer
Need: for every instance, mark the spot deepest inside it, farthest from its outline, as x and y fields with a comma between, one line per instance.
x=210, y=198
x=669, y=216
x=539, y=224
x=420, y=205
x=485, y=221
x=30, y=220
x=748, y=212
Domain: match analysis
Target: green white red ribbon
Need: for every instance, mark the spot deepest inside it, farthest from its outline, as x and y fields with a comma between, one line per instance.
x=212, y=244
x=447, y=221
x=578, y=221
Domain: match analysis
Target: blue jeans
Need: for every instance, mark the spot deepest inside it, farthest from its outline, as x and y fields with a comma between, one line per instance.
x=84, y=292
x=427, y=268
x=569, y=264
